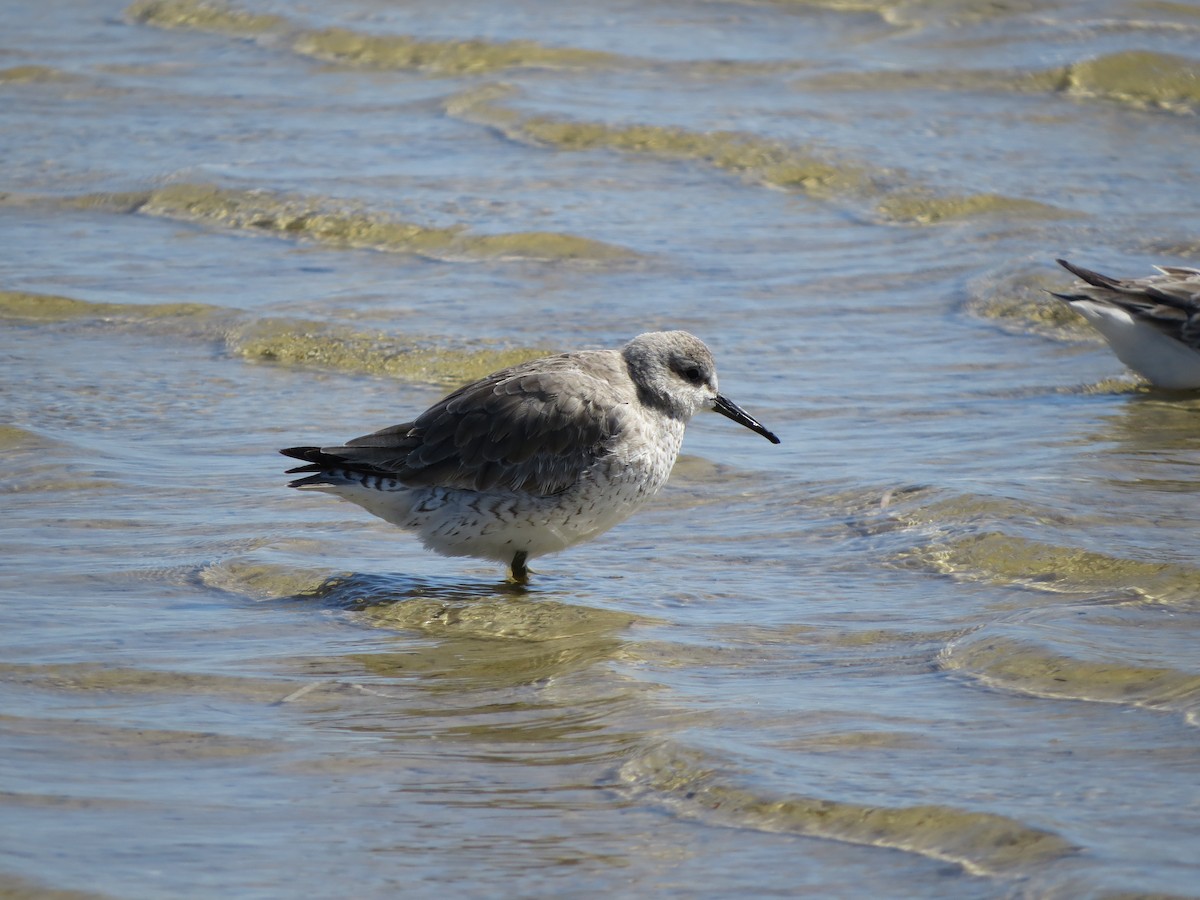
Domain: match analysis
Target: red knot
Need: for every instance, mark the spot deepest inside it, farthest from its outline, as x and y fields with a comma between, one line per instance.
x=534, y=458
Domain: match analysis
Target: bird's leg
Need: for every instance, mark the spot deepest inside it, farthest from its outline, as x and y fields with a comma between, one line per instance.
x=520, y=574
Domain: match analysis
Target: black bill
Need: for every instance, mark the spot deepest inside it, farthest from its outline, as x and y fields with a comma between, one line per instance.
x=731, y=410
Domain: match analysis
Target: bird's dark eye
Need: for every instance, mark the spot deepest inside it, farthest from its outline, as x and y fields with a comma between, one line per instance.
x=693, y=374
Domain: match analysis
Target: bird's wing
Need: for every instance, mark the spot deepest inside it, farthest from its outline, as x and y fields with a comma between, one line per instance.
x=1169, y=301
x=528, y=428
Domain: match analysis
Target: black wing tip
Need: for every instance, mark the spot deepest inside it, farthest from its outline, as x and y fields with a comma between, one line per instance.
x=318, y=460
x=1093, y=278
x=316, y=472
x=321, y=464
x=318, y=463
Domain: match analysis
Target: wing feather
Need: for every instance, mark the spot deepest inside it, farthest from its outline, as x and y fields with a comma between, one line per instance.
x=534, y=427
x=1169, y=301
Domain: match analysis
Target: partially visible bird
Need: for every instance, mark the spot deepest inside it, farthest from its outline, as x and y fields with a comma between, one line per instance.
x=535, y=458
x=1152, y=324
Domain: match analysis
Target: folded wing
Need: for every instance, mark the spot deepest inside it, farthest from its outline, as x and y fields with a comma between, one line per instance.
x=1170, y=301
x=519, y=429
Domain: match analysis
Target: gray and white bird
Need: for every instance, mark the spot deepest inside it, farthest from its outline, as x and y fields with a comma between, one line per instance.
x=534, y=458
x=1152, y=324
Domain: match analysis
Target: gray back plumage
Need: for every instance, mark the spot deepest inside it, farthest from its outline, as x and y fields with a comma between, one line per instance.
x=1170, y=301
x=532, y=428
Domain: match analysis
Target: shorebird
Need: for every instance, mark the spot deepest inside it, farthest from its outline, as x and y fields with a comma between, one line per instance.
x=535, y=458
x=1152, y=324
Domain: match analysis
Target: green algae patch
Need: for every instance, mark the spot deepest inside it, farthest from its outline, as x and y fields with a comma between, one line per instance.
x=113, y=202
x=1019, y=301
x=846, y=6
x=494, y=617
x=1038, y=80
x=843, y=741
x=294, y=343
x=314, y=220
x=800, y=169
x=1188, y=10
x=442, y=57
x=908, y=14
x=1107, y=386
x=768, y=162
x=1004, y=559
x=544, y=246
x=13, y=887
x=369, y=51
x=49, y=307
x=921, y=209
x=1048, y=315
x=493, y=640
x=982, y=843
x=14, y=438
x=89, y=677
x=32, y=74
x=1028, y=668
x=38, y=464
x=53, y=308
x=141, y=744
x=1140, y=78
x=202, y=15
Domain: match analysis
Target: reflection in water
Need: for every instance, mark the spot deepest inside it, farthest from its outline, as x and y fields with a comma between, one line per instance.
x=1153, y=442
x=484, y=638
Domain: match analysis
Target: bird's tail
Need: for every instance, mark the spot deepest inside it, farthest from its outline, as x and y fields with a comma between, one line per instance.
x=378, y=493
x=326, y=470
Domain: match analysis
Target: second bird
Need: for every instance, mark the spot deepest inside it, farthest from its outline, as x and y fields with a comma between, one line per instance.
x=535, y=458
x=1152, y=324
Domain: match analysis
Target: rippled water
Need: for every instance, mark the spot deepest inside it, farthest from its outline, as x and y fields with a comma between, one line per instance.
x=941, y=642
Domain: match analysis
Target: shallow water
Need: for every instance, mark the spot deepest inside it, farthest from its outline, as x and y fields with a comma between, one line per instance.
x=940, y=642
